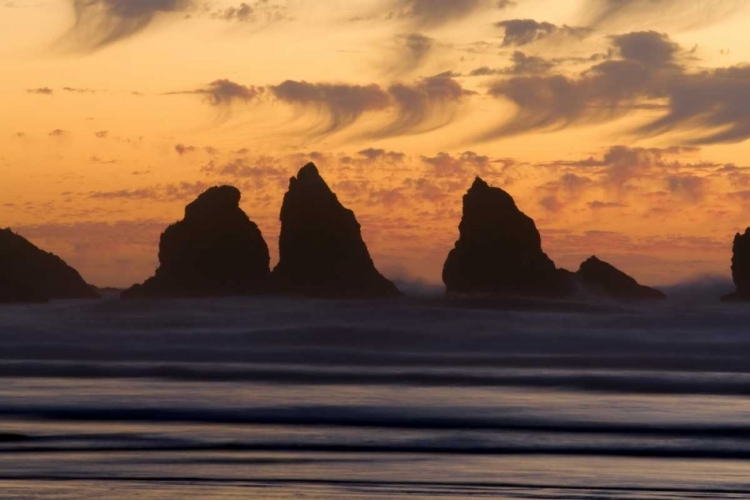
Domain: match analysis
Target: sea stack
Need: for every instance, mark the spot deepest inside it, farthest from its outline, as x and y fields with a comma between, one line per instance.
x=740, y=268
x=29, y=274
x=499, y=250
x=603, y=279
x=216, y=250
x=321, y=251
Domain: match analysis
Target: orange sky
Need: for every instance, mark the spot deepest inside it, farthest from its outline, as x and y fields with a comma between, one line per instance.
x=621, y=127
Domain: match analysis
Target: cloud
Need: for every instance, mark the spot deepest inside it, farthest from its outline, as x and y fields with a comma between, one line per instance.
x=341, y=103
x=424, y=105
x=620, y=164
x=126, y=194
x=58, y=132
x=224, y=93
x=252, y=11
x=445, y=164
x=574, y=183
x=522, y=65
x=714, y=105
x=432, y=13
x=102, y=134
x=79, y=90
x=551, y=204
x=372, y=154
x=680, y=13
x=96, y=159
x=102, y=22
x=624, y=163
x=563, y=190
x=41, y=91
x=607, y=90
x=688, y=186
x=259, y=168
x=647, y=47
x=601, y=205
x=242, y=13
x=519, y=32
x=645, y=76
x=181, y=149
x=419, y=46
x=528, y=65
x=168, y=192
x=409, y=52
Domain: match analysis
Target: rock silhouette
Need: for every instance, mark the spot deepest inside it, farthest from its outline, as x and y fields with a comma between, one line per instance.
x=499, y=250
x=740, y=268
x=321, y=251
x=29, y=274
x=216, y=250
x=597, y=276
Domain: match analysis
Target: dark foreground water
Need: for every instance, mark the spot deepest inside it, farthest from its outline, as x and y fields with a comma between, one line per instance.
x=280, y=399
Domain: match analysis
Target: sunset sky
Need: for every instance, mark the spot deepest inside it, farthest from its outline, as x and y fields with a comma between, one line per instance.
x=620, y=126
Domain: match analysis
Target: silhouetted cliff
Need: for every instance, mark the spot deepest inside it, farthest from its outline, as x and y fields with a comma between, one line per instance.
x=740, y=268
x=500, y=250
x=599, y=277
x=216, y=250
x=28, y=274
x=321, y=251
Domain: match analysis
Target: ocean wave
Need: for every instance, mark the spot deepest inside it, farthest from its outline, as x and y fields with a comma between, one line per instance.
x=335, y=416
x=624, y=381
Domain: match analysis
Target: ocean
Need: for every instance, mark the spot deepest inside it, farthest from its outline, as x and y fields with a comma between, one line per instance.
x=269, y=398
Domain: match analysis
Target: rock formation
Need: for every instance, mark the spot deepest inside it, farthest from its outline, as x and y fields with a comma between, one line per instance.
x=321, y=251
x=216, y=250
x=740, y=268
x=500, y=250
x=603, y=279
x=28, y=274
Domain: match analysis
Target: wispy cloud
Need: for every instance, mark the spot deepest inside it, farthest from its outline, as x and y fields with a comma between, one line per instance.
x=102, y=22
x=342, y=104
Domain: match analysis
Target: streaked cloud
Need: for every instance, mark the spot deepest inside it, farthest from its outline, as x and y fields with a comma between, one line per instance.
x=431, y=13
x=713, y=106
x=424, y=105
x=224, y=93
x=41, y=91
x=681, y=13
x=98, y=23
x=519, y=32
x=342, y=104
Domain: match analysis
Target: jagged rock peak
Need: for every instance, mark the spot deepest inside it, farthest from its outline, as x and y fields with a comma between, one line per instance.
x=308, y=182
x=29, y=274
x=740, y=268
x=499, y=250
x=308, y=173
x=321, y=250
x=216, y=250
x=480, y=186
x=605, y=279
x=215, y=199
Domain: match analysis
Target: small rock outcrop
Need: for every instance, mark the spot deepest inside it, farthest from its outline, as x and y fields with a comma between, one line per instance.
x=740, y=268
x=321, y=251
x=500, y=250
x=29, y=274
x=216, y=250
x=601, y=278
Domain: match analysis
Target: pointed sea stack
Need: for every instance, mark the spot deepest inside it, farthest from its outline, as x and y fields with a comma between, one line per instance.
x=597, y=276
x=216, y=250
x=500, y=250
x=28, y=274
x=321, y=251
x=740, y=268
